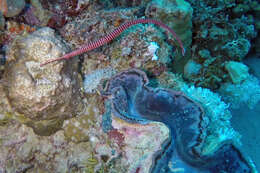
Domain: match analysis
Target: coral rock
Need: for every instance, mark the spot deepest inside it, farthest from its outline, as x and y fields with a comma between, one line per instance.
x=237, y=49
x=49, y=93
x=140, y=143
x=177, y=14
x=246, y=93
x=2, y=21
x=191, y=68
x=237, y=71
x=35, y=153
x=11, y=8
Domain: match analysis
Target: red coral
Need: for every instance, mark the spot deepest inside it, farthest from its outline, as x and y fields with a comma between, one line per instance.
x=116, y=136
x=57, y=21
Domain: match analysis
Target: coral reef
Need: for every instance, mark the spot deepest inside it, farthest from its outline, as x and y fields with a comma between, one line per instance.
x=138, y=144
x=44, y=95
x=16, y=29
x=123, y=3
x=58, y=13
x=177, y=14
x=35, y=14
x=82, y=128
x=112, y=35
x=11, y=8
x=81, y=145
x=40, y=154
x=237, y=71
x=222, y=32
x=134, y=102
x=237, y=49
x=90, y=114
x=2, y=21
x=143, y=149
x=191, y=68
x=246, y=93
x=132, y=51
x=92, y=80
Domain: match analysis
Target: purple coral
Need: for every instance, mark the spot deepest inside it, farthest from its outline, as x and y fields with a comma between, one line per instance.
x=133, y=101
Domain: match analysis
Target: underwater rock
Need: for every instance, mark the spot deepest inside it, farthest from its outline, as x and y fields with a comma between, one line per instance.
x=125, y=3
x=4, y=106
x=82, y=128
x=49, y=94
x=223, y=36
x=237, y=71
x=35, y=14
x=177, y=14
x=191, y=68
x=2, y=21
x=237, y=49
x=246, y=93
x=66, y=150
x=253, y=63
x=11, y=8
x=35, y=153
x=92, y=80
x=140, y=142
x=135, y=102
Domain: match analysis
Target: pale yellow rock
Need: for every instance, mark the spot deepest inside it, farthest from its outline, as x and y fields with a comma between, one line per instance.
x=237, y=71
x=43, y=96
x=142, y=142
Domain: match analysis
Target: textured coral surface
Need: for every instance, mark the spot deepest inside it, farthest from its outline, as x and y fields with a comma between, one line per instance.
x=135, y=102
x=43, y=96
x=90, y=114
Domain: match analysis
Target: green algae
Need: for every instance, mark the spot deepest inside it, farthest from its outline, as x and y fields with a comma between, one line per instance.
x=45, y=127
x=75, y=133
x=91, y=164
x=41, y=127
x=112, y=166
x=4, y=120
x=77, y=129
x=116, y=53
x=8, y=117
